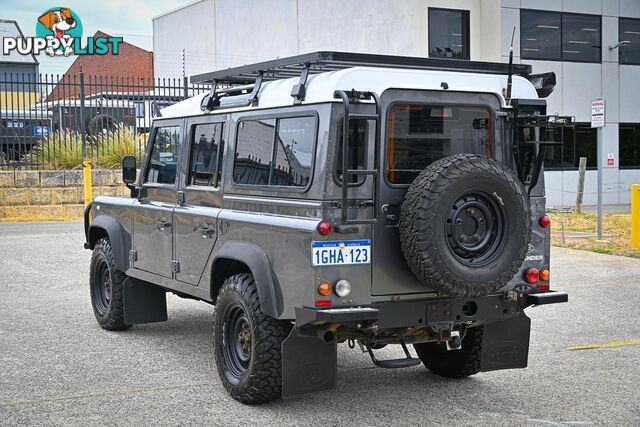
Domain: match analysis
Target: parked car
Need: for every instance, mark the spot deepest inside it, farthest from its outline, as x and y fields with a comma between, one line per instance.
x=338, y=198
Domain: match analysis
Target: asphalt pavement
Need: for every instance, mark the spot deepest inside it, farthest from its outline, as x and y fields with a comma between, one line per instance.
x=57, y=367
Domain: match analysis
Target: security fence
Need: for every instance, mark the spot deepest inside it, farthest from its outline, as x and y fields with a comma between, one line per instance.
x=53, y=122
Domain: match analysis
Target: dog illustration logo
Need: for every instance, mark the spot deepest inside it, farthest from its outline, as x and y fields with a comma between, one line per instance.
x=59, y=23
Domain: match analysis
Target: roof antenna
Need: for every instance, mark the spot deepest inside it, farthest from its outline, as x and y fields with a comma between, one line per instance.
x=510, y=68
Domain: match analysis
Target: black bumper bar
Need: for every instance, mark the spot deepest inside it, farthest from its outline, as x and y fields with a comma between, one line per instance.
x=550, y=297
x=305, y=315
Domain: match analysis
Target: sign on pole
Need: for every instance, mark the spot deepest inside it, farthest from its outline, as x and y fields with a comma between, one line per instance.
x=597, y=113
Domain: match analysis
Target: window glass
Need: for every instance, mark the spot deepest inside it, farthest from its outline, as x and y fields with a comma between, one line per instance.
x=629, y=145
x=254, y=152
x=540, y=35
x=294, y=152
x=560, y=36
x=581, y=38
x=284, y=157
x=629, y=31
x=204, y=154
x=448, y=33
x=357, y=148
x=164, y=156
x=586, y=145
x=422, y=134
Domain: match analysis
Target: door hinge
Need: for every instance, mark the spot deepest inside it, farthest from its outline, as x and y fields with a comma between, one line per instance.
x=133, y=257
x=175, y=266
x=180, y=198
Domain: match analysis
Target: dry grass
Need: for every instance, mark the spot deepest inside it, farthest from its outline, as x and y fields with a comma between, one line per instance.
x=618, y=225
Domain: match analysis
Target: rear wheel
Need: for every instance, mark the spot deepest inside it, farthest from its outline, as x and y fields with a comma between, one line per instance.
x=247, y=343
x=453, y=363
x=106, y=285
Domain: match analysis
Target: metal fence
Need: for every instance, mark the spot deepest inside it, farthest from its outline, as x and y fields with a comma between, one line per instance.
x=53, y=122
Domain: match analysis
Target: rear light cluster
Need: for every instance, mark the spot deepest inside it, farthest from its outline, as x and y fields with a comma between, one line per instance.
x=342, y=289
x=324, y=227
x=533, y=275
x=544, y=221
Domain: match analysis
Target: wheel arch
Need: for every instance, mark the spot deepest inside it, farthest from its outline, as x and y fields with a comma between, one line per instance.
x=106, y=226
x=235, y=257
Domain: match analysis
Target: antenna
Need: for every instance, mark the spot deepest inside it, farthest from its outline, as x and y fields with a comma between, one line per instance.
x=509, y=79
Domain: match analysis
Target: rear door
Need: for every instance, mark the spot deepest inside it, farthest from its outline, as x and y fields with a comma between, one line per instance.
x=420, y=127
x=196, y=229
x=153, y=211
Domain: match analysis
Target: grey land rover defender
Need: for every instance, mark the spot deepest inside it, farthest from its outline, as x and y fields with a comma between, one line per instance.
x=334, y=198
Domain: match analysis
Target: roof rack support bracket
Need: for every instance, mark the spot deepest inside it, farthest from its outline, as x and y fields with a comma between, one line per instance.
x=253, y=98
x=299, y=90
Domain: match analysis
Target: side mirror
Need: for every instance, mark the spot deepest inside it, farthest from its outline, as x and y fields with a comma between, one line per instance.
x=129, y=170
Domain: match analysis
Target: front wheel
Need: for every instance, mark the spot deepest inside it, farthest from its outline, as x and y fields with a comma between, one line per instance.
x=247, y=343
x=106, y=285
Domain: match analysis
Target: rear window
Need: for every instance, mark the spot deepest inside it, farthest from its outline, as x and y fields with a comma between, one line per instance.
x=420, y=134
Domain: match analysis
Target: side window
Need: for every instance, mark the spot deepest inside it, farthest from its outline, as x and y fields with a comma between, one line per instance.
x=357, y=148
x=275, y=152
x=421, y=134
x=294, y=152
x=164, y=156
x=205, y=152
x=253, y=152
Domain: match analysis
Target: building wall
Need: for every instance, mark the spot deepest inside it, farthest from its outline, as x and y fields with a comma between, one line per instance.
x=222, y=33
x=577, y=85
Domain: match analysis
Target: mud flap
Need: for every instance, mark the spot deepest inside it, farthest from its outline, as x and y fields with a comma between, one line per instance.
x=505, y=344
x=309, y=365
x=143, y=302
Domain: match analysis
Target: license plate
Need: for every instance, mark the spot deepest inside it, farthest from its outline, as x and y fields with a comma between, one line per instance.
x=341, y=252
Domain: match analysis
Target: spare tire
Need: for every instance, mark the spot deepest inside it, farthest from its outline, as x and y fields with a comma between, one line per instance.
x=465, y=225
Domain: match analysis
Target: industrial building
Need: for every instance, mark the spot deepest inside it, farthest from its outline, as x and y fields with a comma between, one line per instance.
x=593, y=46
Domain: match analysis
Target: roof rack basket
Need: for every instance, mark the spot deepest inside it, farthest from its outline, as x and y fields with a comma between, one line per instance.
x=302, y=66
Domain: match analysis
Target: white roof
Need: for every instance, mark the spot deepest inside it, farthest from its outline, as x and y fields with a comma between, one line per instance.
x=320, y=87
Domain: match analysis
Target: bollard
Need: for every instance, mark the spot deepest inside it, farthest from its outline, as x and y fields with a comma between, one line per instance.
x=88, y=190
x=635, y=216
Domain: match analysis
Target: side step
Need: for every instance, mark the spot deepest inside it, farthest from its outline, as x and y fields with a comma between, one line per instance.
x=395, y=363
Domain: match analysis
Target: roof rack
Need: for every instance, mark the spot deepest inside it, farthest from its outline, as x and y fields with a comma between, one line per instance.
x=319, y=62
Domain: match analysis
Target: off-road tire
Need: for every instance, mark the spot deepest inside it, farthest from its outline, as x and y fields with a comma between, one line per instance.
x=109, y=311
x=453, y=363
x=429, y=235
x=261, y=381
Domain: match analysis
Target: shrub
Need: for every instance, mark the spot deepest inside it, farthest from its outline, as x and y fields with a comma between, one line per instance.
x=111, y=147
x=60, y=150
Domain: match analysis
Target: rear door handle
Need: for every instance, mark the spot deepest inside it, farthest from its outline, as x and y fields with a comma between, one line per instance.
x=163, y=224
x=207, y=231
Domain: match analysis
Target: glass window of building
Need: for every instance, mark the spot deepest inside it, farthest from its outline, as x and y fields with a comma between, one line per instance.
x=448, y=33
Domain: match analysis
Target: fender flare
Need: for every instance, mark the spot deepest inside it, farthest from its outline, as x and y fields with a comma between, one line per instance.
x=254, y=257
x=120, y=240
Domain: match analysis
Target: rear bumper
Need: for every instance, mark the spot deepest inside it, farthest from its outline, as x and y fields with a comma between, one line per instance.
x=398, y=314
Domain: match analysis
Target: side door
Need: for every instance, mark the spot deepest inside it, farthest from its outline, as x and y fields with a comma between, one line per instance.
x=196, y=218
x=153, y=211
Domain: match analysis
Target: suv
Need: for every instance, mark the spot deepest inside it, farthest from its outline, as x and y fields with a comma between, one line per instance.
x=336, y=197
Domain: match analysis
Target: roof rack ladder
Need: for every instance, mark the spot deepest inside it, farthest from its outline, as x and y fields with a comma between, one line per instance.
x=347, y=97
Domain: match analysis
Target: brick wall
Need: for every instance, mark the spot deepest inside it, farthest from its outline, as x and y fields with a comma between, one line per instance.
x=131, y=62
x=52, y=195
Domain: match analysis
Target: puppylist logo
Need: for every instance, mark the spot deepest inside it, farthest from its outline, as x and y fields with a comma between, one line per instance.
x=59, y=33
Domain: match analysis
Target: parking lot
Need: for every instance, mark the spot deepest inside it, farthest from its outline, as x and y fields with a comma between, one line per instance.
x=59, y=367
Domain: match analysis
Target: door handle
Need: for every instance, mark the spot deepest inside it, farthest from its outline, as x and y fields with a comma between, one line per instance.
x=163, y=224
x=207, y=231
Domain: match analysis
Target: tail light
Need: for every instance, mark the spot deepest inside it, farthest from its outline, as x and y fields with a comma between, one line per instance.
x=324, y=289
x=544, y=221
x=324, y=227
x=531, y=275
x=544, y=275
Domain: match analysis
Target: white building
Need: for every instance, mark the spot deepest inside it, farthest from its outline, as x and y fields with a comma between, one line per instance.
x=569, y=37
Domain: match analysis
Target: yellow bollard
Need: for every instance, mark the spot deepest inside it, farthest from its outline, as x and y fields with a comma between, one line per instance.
x=635, y=216
x=88, y=190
